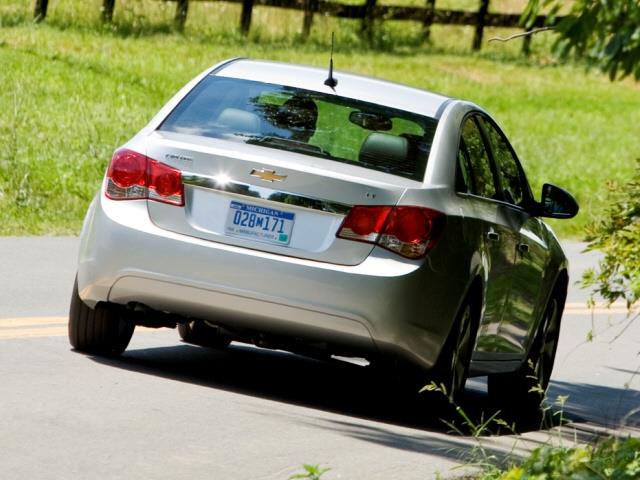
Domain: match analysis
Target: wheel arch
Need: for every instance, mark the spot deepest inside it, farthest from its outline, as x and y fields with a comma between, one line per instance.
x=474, y=289
x=560, y=285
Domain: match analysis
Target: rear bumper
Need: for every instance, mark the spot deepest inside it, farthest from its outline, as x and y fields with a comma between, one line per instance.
x=381, y=305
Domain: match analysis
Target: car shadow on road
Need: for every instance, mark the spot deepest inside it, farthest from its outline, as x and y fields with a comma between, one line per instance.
x=336, y=387
x=332, y=386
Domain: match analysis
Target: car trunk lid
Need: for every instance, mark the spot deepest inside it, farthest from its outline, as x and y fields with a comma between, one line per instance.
x=266, y=199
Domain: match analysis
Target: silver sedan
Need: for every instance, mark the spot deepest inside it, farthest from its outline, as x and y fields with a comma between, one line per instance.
x=328, y=215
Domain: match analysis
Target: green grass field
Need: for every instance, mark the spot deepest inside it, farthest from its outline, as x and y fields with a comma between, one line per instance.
x=73, y=90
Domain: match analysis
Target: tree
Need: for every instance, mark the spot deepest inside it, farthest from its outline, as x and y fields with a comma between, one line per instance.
x=617, y=236
x=605, y=32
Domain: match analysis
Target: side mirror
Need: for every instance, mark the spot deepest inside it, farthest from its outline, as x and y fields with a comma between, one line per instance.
x=557, y=203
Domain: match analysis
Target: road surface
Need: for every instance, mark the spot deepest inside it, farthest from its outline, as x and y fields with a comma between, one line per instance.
x=170, y=410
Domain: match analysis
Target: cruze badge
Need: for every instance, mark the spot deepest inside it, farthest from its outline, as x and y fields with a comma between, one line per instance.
x=267, y=175
x=183, y=158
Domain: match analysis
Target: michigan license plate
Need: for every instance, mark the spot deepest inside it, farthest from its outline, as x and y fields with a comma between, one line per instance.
x=263, y=224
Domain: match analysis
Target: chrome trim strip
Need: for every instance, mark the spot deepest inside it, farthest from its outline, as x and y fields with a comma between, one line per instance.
x=263, y=193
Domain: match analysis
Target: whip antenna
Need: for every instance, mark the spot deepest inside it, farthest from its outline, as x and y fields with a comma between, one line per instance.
x=330, y=81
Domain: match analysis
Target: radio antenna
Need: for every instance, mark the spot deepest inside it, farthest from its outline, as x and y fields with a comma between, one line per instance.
x=330, y=81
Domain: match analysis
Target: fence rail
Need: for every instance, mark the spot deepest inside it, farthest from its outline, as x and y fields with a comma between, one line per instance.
x=367, y=12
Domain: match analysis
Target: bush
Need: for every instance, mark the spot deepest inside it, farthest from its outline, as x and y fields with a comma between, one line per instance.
x=613, y=459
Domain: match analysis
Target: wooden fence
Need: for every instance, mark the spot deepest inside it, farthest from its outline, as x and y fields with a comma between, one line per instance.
x=367, y=12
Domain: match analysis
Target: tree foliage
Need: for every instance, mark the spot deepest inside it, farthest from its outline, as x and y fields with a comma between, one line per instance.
x=605, y=32
x=617, y=236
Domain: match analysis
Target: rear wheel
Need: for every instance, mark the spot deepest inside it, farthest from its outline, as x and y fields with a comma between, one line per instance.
x=104, y=330
x=521, y=393
x=199, y=333
x=452, y=368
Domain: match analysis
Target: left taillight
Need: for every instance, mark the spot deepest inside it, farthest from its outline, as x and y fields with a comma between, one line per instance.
x=133, y=176
x=406, y=230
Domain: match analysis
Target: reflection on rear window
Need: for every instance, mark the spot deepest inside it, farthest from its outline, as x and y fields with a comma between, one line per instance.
x=328, y=126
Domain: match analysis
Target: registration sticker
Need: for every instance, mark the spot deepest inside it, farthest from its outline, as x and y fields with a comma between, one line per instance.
x=259, y=223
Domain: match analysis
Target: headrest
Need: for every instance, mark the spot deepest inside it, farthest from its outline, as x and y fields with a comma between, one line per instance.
x=239, y=121
x=384, y=150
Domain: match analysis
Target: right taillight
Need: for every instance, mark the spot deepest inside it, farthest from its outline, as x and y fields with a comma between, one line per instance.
x=407, y=230
x=133, y=176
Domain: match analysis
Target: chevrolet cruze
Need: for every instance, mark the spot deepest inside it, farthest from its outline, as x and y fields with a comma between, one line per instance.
x=327, y=214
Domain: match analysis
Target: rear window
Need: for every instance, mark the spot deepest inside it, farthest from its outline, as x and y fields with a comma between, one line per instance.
x=328, y=126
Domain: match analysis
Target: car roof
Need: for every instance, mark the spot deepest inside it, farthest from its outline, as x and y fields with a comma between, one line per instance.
x=349, y=85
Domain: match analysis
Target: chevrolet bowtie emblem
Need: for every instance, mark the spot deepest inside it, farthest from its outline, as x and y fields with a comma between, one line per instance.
x=267, y=175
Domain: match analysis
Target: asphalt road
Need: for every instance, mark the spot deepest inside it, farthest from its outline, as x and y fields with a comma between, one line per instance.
x=170, y=410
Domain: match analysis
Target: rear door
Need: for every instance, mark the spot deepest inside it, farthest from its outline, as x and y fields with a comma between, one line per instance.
x=526, y=298
x=486, y=222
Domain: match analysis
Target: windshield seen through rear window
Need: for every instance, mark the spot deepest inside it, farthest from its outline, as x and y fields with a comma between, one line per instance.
x=328, y=126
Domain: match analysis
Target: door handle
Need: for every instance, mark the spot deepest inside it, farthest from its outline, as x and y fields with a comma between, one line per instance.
x=523, y=248
x=493, y=236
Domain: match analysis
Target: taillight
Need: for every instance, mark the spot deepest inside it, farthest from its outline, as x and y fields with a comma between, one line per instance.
x=133, y=176
x=165, y=183
x=364, y=223
x=409, y=231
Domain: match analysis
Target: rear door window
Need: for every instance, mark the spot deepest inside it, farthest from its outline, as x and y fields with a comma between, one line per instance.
x=511, y=177
x=480, y=174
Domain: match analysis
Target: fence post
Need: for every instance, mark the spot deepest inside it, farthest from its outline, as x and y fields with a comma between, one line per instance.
x=526, y=44
x=482, y=13
x=245, y=16
x=311, y=6
x=368, y=18
x=40, y=10
x=182, y=7
x=107, y=10
x=428, y=19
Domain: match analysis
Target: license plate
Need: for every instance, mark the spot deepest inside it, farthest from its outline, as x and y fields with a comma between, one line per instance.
x=259, y=223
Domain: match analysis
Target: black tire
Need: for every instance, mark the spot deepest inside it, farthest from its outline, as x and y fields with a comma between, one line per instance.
x=452, y=367
x=104, y=330
x=520, y=394
x=198, y=332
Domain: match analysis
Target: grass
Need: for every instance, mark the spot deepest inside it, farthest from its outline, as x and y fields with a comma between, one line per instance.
x=74, y=90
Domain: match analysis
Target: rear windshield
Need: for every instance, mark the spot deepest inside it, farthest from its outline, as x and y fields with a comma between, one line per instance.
x=328, y=126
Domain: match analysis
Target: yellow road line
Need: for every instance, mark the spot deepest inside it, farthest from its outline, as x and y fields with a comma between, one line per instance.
x=25, y=327
x=34, y=332
x=33, y=327
x=581, y=308
x=30, y=321
x=597, y=311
